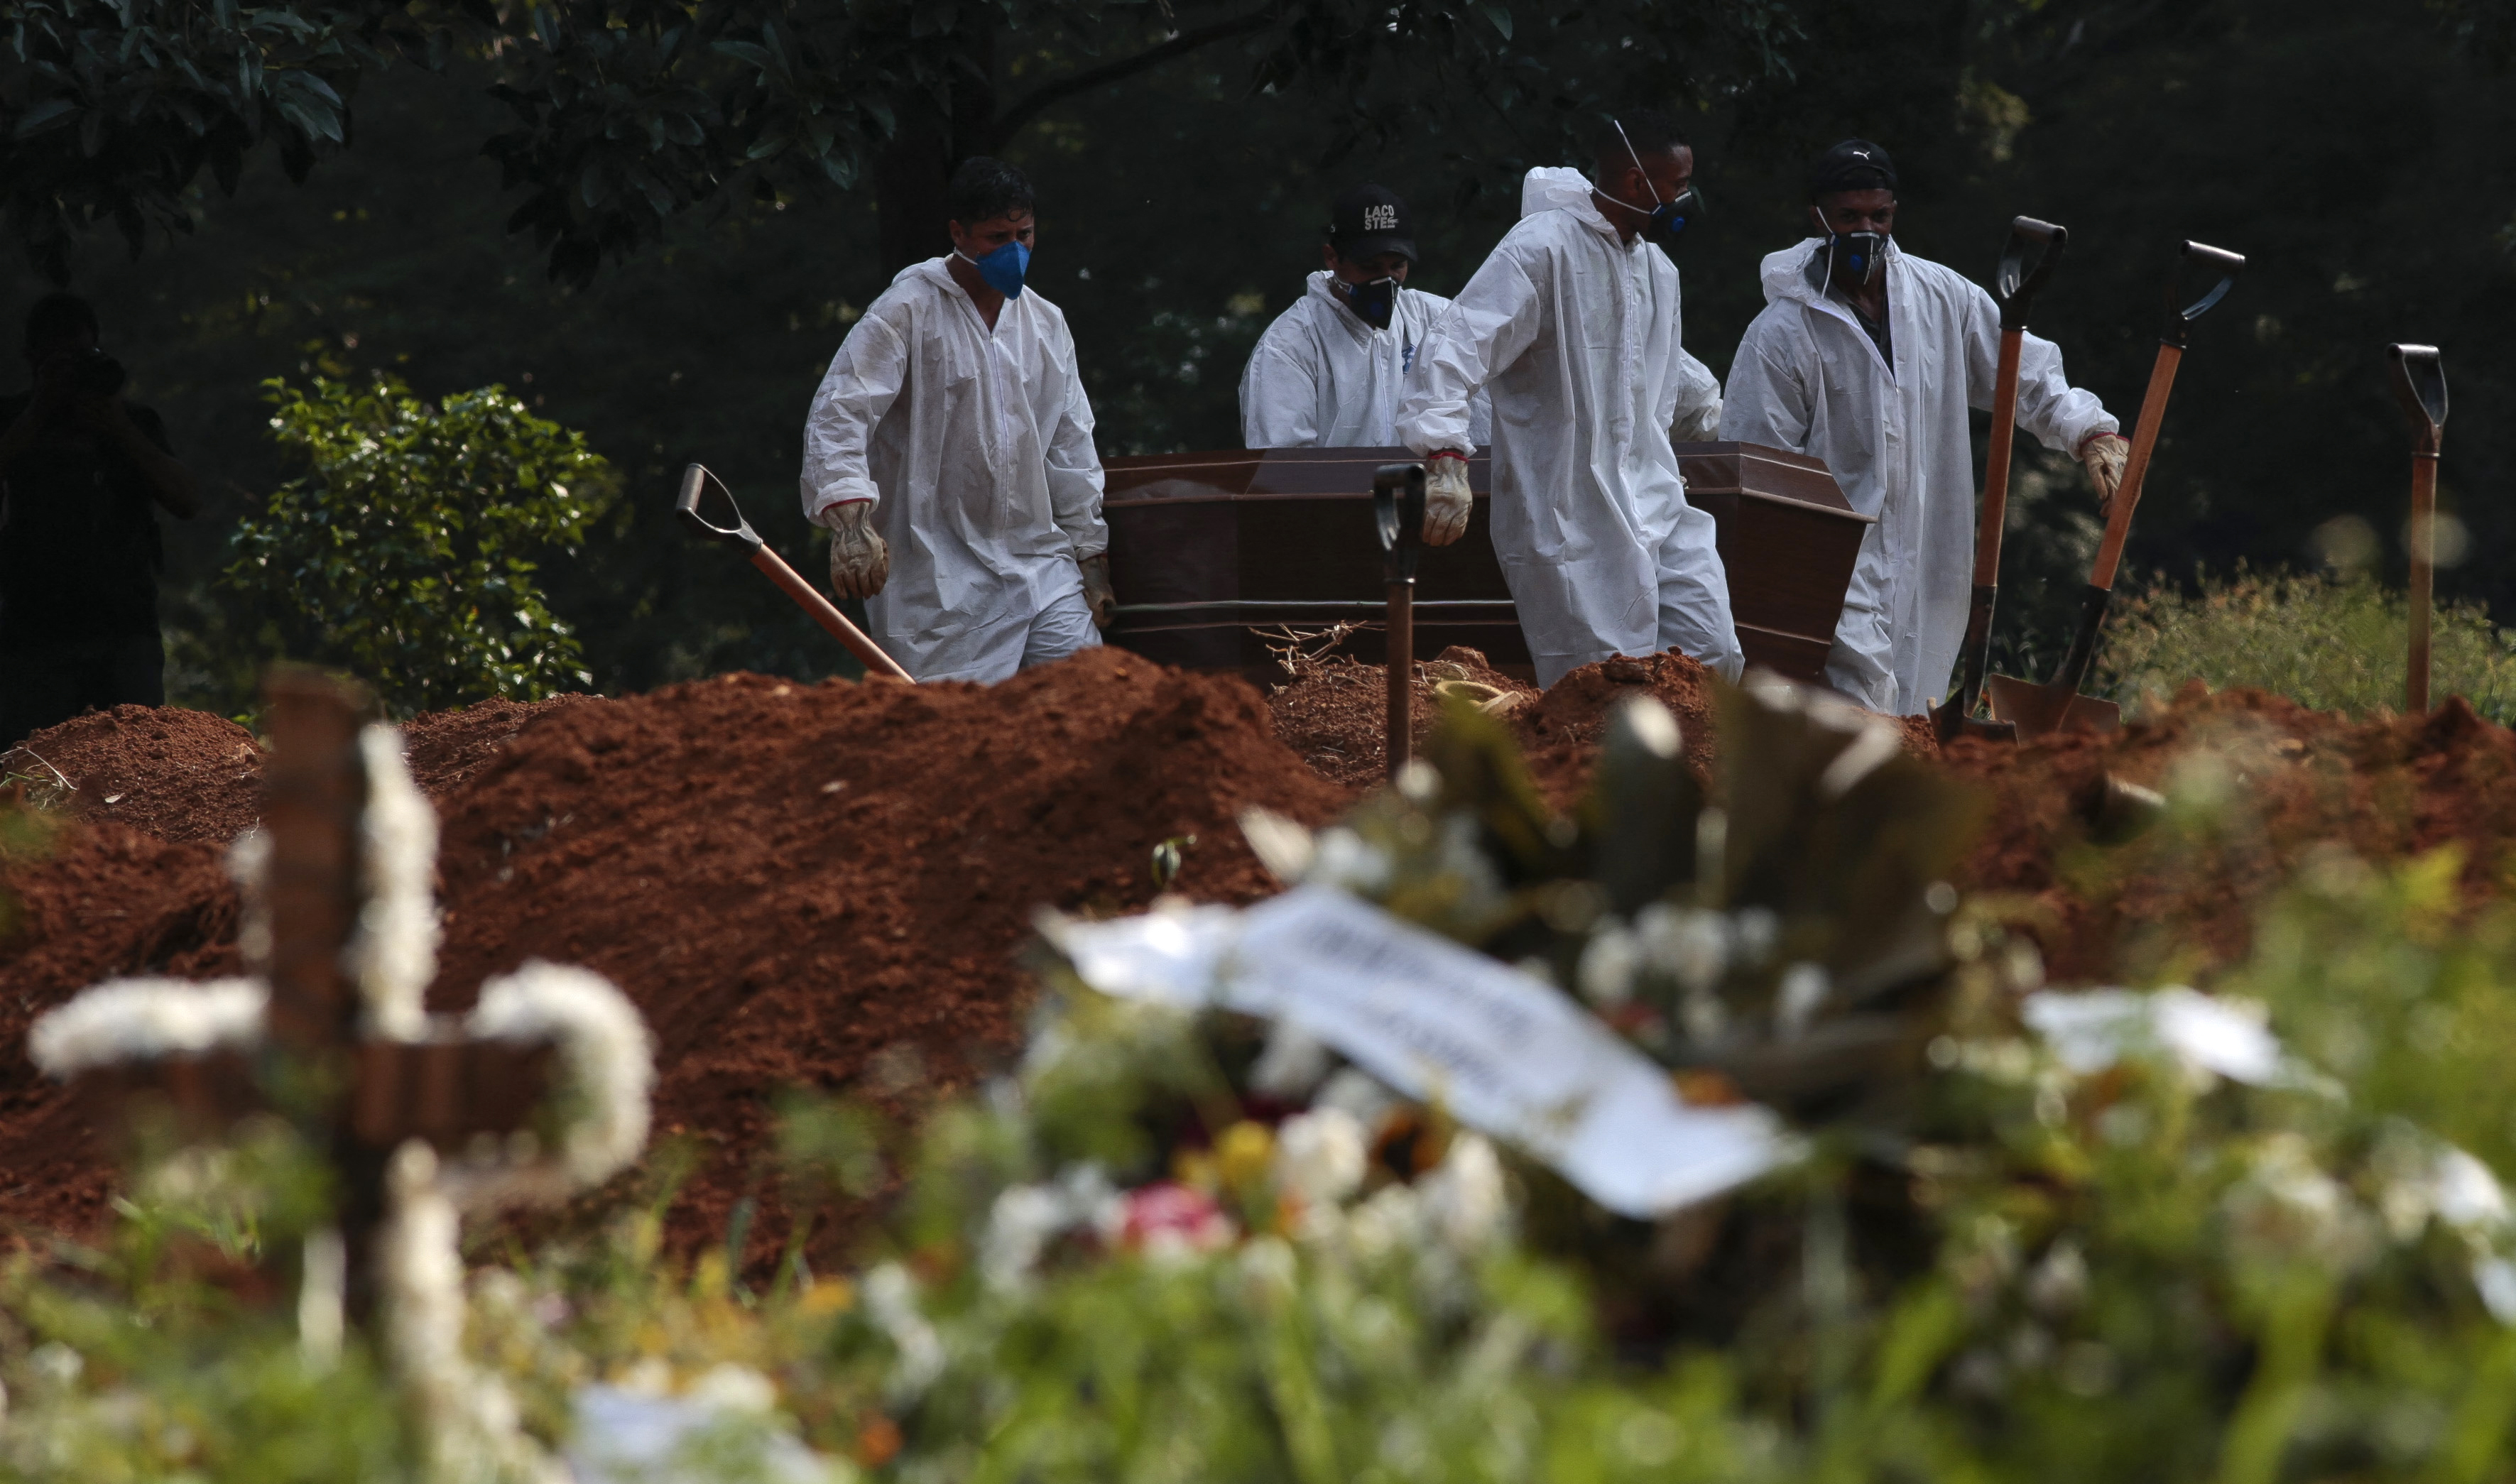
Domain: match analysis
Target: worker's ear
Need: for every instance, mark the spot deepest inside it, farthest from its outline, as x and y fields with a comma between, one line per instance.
x=1328, y=257
x=1816, y=221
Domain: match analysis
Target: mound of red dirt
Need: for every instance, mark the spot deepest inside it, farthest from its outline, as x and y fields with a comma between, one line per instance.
x=177, y=774
x=789, y=880
x=1335, y=714
x=2269, y=781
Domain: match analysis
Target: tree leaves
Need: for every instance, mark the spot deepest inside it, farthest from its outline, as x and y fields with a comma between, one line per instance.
x=407, y=557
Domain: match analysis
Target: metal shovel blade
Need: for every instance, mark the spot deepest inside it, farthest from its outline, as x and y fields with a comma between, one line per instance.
x=1950, y=723
x=2040, y=711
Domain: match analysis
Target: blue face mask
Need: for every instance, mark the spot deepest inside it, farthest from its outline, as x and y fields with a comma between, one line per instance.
x=1001, y=270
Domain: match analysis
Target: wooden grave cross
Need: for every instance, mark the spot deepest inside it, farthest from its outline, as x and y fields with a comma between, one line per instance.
x=354, y=1096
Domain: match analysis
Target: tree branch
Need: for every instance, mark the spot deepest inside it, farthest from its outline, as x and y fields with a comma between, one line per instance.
x=1047, y=95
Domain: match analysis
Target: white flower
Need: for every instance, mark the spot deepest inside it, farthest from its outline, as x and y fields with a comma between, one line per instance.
x=392, y=953
x=730, y=1387
x=1463, y=1199
x=1803, y=990
x=141, y=1019
x=1608, y=963
x=1294, y=1063
x=1688, y=944
x=1392, y=1221
x=1347, y=860
x=1321, y=1156
x=1358, y=1094
x=891, y=1301
x=1269, y=1271
x=1020, y=1225
x=606, y=1058
x=2287, y=1208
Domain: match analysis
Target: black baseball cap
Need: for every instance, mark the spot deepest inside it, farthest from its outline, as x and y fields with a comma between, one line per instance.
x=1856, y=164
x=1368, y=221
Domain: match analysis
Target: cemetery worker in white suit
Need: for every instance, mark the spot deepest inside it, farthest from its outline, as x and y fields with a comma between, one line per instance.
x=1574, y=323
x=1867, y=357
x=1331, y=369
x=949, y=454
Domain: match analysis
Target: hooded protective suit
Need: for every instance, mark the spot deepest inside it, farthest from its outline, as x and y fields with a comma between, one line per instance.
x=1322, y=378
x=1577, y=331
x=976, y=446
x=1809, y=378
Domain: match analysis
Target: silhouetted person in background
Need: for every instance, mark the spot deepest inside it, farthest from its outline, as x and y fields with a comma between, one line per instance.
x=79, y=553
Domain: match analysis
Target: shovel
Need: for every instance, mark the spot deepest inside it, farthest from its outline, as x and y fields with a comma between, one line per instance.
x=2041, y=709
x=1397, y=509
x=2015, y=287
x=2420, y=384
x=696, y=480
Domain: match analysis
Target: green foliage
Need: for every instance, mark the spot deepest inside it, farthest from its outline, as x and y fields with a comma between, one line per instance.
x=406, y=557
x=2334, y=644
x=2377, y=974
x=114, y=108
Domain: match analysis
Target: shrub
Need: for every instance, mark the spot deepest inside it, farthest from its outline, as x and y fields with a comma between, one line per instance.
x=2334, y=643
x=408, y=556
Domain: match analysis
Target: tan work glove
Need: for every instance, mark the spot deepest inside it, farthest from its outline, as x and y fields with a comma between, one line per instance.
x=860, y=563
x=2103, y=456
x=1446, y=501
x=1097, y=596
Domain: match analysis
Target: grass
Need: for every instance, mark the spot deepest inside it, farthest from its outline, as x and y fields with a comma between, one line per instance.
x=2334, y=644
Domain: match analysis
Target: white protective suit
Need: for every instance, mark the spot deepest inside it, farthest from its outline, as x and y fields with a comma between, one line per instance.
x=1809, y=378
x=976, y=446
x=1577, y=331
x=1322, y=378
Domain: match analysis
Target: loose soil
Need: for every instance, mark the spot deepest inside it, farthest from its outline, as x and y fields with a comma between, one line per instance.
x=819, y=884
x=1334, y=713
x=792, y=882
x=2180, y=899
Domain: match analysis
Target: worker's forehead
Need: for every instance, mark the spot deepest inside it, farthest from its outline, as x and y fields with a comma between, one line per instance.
x=1876, y=198
x=1012, y=221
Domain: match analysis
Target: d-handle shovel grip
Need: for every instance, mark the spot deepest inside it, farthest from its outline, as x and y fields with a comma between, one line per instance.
x=2016, y=284
x=2420, y=385
x=1398, y=508
x=2198, y=257
x=696, y=480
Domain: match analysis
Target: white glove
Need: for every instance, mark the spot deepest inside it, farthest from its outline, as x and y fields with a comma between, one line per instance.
x=2104, y=455
x=1699, y=424
x=860, y=563
x=1097, y=595
x=1446, y=501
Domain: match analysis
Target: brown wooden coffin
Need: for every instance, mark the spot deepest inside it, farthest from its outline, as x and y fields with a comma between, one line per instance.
x=1206, y=548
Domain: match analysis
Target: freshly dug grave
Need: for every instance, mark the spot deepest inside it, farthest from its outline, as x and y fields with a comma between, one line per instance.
x=2293, y=779
x=1334, y=713
x=794, y=882
x=2290, y=780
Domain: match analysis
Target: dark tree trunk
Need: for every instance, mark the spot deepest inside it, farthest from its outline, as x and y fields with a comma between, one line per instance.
x=936, y=135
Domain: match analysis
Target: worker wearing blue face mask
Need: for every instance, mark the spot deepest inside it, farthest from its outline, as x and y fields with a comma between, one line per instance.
x=1868, y=357
x=1331, y=369
x=950, y=455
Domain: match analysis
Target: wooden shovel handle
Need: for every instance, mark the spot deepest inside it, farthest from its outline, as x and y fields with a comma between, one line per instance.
x=1996, y=472
x=2144, y=442
x=826, y=614
x=2425, y=468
